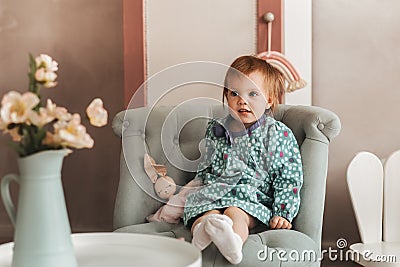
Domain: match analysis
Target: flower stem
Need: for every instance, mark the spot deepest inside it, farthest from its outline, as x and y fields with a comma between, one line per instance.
x=33, y=86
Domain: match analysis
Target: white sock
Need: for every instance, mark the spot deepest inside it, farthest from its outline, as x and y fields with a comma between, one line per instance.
x=200, y=239
x=221, y=233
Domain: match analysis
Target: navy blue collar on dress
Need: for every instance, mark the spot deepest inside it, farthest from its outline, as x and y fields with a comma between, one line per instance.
x=221, y=128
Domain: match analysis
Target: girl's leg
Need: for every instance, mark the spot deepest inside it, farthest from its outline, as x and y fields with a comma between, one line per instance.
x=242, y=221
x=201, y=239
x=198, y=220
x=229, y=231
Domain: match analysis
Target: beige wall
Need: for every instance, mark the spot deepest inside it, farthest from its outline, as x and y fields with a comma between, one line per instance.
x=85, y=37
x=200, y=33
x=297, y=36
x=356, y=66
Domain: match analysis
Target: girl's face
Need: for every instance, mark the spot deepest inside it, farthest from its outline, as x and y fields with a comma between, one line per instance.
x=246, y=99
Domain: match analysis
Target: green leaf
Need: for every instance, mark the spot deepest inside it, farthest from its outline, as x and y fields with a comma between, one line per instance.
x=33, y=84
x=17, y=147
x=38, y=137
x=32, y=70
x=27, y=139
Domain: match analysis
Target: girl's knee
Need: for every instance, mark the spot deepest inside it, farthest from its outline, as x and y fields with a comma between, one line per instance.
x=237, y=215
x=234, y=212
x=198, y=220
x=212, y=212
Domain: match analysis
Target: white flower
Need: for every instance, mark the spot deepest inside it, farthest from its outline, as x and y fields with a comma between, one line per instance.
x=72, y=133
x=49, y=84
x=45, y=72
x=40, y=75
x=48, y=114
x=47, y=62
x=50, y=76
x=46, y=77
x=96, y=113
x=16, y=107
x=59, y=113
x=40, y=118
x=36, y=127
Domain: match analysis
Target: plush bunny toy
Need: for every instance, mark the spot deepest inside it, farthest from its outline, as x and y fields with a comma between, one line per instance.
x=164, y=186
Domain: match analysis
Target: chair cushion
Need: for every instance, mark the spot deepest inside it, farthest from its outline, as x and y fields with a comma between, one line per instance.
x=266, y=248
x=158, y=228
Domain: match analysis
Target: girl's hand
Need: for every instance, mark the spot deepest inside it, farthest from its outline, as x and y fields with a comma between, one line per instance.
x=278, y=222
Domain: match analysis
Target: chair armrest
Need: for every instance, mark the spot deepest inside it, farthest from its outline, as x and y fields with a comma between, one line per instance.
x=312, y=122
x=132, y=203
x=124, y=118
x=314, y=128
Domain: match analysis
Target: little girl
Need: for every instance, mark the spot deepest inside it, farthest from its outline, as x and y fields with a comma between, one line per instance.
x=252, y=169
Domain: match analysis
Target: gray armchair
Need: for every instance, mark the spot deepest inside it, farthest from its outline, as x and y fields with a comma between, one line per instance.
x=169, y=132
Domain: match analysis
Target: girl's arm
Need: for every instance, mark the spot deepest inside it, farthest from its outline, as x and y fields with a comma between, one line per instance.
x=287, y=174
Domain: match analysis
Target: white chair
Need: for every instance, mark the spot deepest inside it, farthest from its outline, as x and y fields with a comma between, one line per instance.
x=375, y=194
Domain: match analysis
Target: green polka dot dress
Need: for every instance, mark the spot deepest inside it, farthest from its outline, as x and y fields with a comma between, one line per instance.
x=257, y=169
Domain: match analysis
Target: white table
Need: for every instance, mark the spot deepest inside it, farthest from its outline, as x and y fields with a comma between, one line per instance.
x=123, y=250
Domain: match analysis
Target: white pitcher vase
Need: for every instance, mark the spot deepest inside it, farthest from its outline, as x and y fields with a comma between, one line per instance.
x=42, y=235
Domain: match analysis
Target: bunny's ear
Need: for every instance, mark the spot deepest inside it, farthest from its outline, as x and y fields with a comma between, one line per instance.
x=149, y=169
x=160, y=169
x=152, y=169
x=365, y=183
